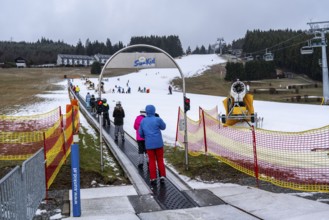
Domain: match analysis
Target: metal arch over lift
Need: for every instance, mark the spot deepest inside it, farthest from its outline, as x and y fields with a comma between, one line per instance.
x=268, y=56
x=171, y=64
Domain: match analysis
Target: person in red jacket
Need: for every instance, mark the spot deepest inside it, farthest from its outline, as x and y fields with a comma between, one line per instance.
x=140, y=140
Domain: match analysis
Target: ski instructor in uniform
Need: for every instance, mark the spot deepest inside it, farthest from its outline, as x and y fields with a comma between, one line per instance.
x=150, y=129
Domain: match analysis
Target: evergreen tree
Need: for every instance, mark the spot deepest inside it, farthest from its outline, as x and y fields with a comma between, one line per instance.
x=196, y=51
x=88, y=46
x=234, y=71
x=238, y=44
x=79, y=49
x=170, y=44
x=285, y=44
x=203, y=50
x=96, y=68
x=120, y=45
x=210, y=50
x=45, y=51
x=109, y=49
x=188, y=50
x=252, y=70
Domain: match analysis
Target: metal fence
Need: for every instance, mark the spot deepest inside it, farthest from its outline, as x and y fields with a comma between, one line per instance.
x=22, y=190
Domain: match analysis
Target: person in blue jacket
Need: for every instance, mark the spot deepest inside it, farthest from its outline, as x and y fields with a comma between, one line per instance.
x=88, y=97
x=150, y=129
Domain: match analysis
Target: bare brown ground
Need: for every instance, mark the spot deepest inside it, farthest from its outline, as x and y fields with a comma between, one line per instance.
x=18, y=87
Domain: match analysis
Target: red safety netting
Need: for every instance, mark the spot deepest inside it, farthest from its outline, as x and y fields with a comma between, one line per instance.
x=296, y=160
x=22, y=136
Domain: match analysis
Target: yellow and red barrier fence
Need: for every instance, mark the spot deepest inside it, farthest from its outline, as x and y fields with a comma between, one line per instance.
x=22, y=136
x=295, y=160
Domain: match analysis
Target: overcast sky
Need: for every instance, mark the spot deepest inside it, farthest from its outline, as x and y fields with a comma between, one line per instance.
x=196, y=22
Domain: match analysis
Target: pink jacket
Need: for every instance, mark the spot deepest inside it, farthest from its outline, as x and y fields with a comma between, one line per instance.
x=138, y=120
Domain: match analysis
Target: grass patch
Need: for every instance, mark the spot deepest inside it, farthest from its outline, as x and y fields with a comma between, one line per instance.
x=7, y=165
x=203, y=168
x=212, y=82
x=24, y=84
x=90, y=158
x=90, y=165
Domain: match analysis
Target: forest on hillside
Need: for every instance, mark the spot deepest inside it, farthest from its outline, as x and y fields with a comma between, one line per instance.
x=285, y=45
x=45, y=51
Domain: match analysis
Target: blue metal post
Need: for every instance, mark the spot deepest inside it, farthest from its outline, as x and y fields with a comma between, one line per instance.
x=75, y=174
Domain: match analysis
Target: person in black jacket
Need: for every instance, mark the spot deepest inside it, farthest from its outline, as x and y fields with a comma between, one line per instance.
x=99, y=106
x=118, y=115
x=170, y=90
x=93, y=104
x=106, y=117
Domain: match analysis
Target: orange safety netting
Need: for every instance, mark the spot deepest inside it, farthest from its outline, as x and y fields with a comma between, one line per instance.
x=58, y=141
x=22, y=136
x=295, y=160
x=29, y=123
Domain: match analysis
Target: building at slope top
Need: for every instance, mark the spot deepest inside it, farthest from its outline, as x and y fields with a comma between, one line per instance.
x=20, y=62
x=80, y=60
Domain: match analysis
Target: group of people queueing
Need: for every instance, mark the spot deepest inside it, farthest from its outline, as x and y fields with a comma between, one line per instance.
x=148, y=126
x=100, y=106
x=76, y=89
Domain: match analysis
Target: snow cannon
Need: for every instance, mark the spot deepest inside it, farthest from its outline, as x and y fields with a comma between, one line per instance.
x=238, y=105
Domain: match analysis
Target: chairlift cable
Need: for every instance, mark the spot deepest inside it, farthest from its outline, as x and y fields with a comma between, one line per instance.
x=281, y=48
x=296, y=44
x=259, y=51
x=287, y=40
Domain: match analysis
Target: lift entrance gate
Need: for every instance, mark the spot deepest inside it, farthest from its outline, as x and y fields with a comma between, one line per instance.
x=158, y=59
